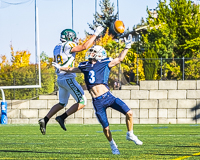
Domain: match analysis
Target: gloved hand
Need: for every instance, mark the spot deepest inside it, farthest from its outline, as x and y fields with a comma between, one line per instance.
x=56, y=65
x=128, y=41
x=98, y=30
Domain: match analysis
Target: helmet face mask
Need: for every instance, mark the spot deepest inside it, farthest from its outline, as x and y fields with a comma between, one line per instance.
x=68, y=35
x=98, y=52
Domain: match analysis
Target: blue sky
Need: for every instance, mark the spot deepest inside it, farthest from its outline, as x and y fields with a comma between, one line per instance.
x=17, y=22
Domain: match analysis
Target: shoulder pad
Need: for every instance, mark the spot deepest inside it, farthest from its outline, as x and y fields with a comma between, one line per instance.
x=71, y=44
x=68, y=45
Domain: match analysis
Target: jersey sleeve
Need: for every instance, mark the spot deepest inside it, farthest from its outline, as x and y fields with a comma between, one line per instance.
x=106, y=60
x=68, y=46
x=57, y=49
x=110, y=59
x=82, y=65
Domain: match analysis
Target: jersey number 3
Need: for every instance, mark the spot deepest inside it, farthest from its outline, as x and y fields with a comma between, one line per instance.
x=92, y=77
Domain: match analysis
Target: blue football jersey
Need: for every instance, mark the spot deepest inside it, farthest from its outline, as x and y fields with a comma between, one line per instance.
x=97, y=73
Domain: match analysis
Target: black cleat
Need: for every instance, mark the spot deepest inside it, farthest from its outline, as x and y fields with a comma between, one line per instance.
x=42, y=126
x=61, y=122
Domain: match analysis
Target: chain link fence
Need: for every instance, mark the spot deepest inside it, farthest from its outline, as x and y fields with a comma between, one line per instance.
x=167, y=69
x=145, y=69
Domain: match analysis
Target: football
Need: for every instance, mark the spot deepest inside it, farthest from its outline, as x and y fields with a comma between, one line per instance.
x=119, y=27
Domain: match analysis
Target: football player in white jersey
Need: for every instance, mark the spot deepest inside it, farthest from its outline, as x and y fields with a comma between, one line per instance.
x=96, y=73
x=64, y=55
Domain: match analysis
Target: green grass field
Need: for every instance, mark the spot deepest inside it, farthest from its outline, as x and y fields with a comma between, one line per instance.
x=88, y=142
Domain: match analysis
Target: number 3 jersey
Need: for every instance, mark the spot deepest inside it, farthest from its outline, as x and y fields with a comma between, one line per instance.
x=97, y=73
x=64, y=57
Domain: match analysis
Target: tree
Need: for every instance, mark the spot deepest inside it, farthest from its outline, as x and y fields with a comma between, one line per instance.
x=162, y=40
x=20, y=58
x=150, y=64
x=45, y=60
x=192, y=68
x=4, y=61
x=106, y=19
x=177, y=25
x=21, y=72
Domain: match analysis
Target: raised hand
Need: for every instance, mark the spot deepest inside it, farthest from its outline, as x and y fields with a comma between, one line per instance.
x=128, y=41
x=98, y=30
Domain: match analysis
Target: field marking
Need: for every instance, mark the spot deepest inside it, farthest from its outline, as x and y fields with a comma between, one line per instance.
x=110, y=131
x=184, y=157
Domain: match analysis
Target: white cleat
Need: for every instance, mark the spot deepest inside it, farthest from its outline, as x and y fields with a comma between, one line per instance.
x=134, y=139
x=114, y=149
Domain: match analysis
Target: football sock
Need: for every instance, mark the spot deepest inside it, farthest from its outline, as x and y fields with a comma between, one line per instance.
x=130, y=132
x=64, y=115
x=112, y=142
x=46, y=119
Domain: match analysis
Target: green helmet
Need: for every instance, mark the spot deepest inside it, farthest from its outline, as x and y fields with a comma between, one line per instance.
x=67, y=35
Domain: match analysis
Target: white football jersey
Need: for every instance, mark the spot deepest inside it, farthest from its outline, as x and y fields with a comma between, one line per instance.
x=64, y=57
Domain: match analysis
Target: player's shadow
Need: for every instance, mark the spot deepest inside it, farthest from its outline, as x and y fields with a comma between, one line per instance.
x=19, y=151
x=188, y=146
x=196, y=109
x=23, y=151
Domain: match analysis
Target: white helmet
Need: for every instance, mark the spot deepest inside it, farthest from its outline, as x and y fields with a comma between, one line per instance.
x=99, y=53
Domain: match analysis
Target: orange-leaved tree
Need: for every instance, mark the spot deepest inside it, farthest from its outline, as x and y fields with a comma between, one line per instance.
x=4, y=61
x=21, y=72
x=20, y=58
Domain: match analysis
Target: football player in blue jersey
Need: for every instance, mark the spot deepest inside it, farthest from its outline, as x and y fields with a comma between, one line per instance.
x=96, y=73
x=64, y=55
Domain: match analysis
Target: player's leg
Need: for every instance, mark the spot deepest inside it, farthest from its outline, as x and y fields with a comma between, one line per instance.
x=101, y=115
x=63, y=100
x=57, y=107
x=129, y=120
x=72, y=86
x=113, y=145
x=43, y=121
x=74, y=108
x=120, y=106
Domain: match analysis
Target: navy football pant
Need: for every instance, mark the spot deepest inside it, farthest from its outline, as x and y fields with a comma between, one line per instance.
x=104, y=101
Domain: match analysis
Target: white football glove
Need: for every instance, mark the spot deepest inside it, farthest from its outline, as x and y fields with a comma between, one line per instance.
x=98, y=30
x=56, y=65
x=128, y=41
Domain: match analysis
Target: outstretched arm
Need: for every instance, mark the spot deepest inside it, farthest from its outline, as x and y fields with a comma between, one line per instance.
x=117, y=60
x=66, y=69
x=122, y=55
x=89, y=42
x=70, y=69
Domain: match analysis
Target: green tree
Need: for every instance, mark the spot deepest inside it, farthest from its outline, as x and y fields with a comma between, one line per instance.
x=192, y=70
x=44, y=57
x=106, y=19
x=161, y=39
x=177, y=26
x=150, y=64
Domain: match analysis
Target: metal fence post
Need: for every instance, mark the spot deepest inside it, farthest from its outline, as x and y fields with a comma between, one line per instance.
x=137, y=69
x=183, y=67
x=161, y=68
